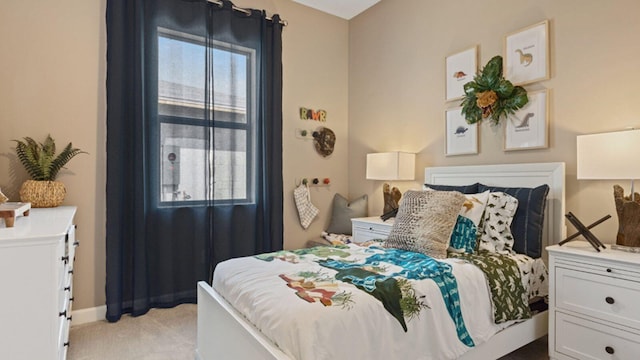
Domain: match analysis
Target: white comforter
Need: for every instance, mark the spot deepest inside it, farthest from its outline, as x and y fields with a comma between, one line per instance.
x=361, y=330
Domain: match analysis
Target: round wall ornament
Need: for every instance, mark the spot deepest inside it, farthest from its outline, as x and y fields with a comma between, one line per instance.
x=324, y=139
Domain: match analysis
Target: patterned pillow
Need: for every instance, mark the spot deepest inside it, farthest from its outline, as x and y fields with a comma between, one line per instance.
x=527, y=226
x=464, y=236
x=465, y=233
x=496, y=231
x=425, y=221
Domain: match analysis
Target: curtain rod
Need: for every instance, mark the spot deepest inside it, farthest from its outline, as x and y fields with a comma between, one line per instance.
x=246, y=11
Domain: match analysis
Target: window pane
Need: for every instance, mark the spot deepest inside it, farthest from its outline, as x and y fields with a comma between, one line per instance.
x=186, y=159
x=182, y=78
x=230, y=164
x=184, y=163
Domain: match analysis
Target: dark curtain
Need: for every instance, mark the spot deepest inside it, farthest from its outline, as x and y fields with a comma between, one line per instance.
x=194, y=160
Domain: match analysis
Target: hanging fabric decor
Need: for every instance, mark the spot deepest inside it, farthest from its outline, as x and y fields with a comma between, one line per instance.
x=324, y=139
x=306, y=210
x=490, y=95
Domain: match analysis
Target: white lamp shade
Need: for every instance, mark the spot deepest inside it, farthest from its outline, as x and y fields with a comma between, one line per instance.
x=609, y=156
x=391, y=166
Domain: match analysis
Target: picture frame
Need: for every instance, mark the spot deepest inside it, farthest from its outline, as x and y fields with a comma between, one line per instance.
x=460, y=138
x=460, y=68
x=528, y=128
x=526, y=57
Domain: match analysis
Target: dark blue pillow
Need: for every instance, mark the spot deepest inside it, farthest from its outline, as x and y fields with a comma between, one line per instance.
x=465, y=189
x=527, y=225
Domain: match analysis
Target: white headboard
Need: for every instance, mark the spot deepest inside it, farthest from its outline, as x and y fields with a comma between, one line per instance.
x=514, y=175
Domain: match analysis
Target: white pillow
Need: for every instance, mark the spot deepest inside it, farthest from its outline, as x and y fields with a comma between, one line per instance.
x=496, y=231
x=473, y=207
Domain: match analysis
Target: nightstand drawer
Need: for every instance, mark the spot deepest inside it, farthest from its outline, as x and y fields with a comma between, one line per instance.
x=370, y=228
x=604, y=297
x=583, y=339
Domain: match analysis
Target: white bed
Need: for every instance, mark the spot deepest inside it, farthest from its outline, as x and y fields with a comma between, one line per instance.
x=223, y=333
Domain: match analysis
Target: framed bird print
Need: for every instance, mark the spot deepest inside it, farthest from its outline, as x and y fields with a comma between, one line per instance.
x=460, y=68
x=460, y=138
x=526, y=58
x=528, y=128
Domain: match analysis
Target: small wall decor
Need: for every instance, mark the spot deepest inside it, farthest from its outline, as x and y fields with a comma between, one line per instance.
x=490, y=95
x=461, y=137
x=528, y=127
x=310, y=114
x=460, y=69
x=324, y=139
x=527, y=54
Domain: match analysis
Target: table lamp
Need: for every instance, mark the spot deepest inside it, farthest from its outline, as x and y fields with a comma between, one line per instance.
x=613, y=156
x=396, y=166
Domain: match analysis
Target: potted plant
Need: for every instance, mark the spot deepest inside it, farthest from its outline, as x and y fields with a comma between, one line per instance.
x=43, y=164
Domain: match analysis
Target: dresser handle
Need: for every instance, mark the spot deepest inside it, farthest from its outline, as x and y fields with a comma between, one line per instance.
x=65, y=259
x=69, y=318
x=71, y=299
x=609, y=300
x=370, y=229
x=609, y=350
x=66, y=344
x=609, y=270
x=68, y=288
x=64, y=313
x=76, y=243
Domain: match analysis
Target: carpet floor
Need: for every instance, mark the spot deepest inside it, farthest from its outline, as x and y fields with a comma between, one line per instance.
x=170, y=334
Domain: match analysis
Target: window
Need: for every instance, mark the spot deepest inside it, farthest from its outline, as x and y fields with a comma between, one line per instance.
x=205, y=155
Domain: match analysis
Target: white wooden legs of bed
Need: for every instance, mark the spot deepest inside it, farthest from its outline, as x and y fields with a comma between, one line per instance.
x=225, y=334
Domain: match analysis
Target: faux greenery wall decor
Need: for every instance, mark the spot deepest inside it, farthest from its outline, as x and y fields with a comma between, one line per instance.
x=492, y=96
x=40, y=160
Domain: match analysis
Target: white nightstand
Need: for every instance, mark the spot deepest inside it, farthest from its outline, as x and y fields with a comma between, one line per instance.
x=594, y=303
x=370, y=228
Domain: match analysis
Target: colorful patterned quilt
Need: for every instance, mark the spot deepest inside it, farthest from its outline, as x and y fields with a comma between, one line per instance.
x=369, y=294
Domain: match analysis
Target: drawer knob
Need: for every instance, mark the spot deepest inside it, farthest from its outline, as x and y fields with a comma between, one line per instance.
x=609, y=300
x=609, y=350
x=609, y=270
x=66, y=344
x=64, y=313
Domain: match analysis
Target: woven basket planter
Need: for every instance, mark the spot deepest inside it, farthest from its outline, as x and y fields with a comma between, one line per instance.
x=42, y=194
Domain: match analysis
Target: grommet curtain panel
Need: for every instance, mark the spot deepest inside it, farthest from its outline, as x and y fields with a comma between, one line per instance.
x=194, y=146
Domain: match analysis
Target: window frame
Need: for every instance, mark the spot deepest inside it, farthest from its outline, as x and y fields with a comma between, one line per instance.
x=249, y=126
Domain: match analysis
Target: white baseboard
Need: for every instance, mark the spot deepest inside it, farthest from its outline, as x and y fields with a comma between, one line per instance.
x=88, y=315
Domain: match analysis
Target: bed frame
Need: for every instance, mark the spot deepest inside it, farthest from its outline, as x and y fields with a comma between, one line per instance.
x=223, y=333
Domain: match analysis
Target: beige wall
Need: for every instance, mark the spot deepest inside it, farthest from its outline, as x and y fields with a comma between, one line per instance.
x=383, y=71
x=52, y=76
x=396, y=84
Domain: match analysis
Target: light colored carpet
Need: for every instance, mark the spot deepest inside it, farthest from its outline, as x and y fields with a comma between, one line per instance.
x=170, y=334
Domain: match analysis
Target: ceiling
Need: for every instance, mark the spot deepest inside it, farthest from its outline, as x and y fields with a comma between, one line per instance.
x=345, y=9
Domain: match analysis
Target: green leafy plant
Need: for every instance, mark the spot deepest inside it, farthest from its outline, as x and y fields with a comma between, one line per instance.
x=490, y=95
x=40, y=159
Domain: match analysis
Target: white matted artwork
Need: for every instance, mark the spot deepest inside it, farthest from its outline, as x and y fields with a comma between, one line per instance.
x=460, y=68
x=460, y=138
x=528, y=128
x=526, y=57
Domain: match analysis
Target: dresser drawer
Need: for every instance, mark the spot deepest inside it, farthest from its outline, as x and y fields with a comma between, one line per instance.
x=583, y=339
x=600, y=296
x=370, y=228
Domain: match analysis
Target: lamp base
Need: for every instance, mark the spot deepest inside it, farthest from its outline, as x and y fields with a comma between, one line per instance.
x=628, y=217
x=391, y=198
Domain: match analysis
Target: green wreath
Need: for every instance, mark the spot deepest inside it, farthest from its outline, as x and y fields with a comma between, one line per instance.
x=490, y=95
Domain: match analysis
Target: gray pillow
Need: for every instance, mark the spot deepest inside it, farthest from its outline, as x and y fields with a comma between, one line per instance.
x=342, y=212
x=425, y=222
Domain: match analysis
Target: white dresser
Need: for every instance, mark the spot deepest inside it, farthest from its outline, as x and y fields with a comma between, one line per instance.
x=594, y=303
x=370, y=228
x=36, y=269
